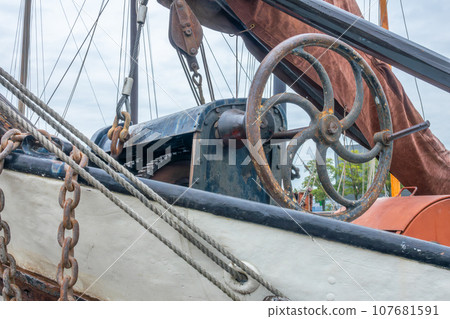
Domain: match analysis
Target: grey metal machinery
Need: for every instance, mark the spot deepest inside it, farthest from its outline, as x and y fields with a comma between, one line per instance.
x=203, y=147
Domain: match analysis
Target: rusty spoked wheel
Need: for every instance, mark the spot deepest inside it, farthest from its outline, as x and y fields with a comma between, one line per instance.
x=325, y=129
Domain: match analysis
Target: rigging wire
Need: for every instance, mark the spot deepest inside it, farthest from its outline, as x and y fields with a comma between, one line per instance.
x=60, y=54
x=237, y=66
x=42, y=49
x=121, y=51
x=14, y=58
x=75, y=56
x=175, y=102
x=98, y=51
x=248, y=71
x=146, y=78
x=36, y=44
x=211, y=75
x=242, y=58
x=218, y=65
x=152, y=68
x=83, y=66
x=188, y=77
x=235, y=55
x=415, y=78
x=207, y=73
x=102, y=8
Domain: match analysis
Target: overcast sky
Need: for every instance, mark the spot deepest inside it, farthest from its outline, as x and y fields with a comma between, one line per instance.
x=427, y=21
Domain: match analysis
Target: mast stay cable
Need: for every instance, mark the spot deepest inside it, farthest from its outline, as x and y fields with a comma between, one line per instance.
x=82, y=67
x=415, y=78
x=152, y=69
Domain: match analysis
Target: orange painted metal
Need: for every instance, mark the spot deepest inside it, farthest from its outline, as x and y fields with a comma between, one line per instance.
x=307, y=203
x=383, y=16
x=423, y=217
x=395, y=186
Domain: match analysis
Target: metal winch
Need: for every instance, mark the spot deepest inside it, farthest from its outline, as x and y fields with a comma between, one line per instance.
x=204, y=147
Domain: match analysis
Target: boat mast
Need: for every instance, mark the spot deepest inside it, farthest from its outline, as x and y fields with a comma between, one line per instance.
x=133, y=64
x=384, y=23
x=25, y=49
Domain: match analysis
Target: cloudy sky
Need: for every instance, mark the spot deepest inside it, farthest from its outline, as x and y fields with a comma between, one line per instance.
x=427, y=22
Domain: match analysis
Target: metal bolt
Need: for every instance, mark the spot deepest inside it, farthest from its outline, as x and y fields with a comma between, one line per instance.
x=193, y=50
x=188, y=32
x=332, y=128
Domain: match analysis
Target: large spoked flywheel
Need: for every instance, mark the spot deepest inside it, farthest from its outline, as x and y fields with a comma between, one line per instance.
x=325, y=128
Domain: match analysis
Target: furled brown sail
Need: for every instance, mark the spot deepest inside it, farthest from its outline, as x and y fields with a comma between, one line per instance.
x=418, y=160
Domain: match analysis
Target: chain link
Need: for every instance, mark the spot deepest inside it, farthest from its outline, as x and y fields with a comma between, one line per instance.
x=118, y=134
x=10, y=141
x=67, y=242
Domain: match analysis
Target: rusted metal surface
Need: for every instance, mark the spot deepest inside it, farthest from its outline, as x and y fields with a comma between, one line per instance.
x=68, y=243
x=227, y=169
x=185, y=31
x=231, y=125
x=423, y=217
x=38, y=288
x=10, y=141
x=288, y=134
x=410, y=130
x=305, y=200
x=185, y=35
x=275, y=298
x=325, y=128
x=119, y=134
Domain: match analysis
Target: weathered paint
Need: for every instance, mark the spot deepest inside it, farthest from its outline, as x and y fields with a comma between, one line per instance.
x=423, y=217
x=149, y=271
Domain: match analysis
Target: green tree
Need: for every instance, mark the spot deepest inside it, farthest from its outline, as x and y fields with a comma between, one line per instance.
x=313, y=182
x=347, y=178
x=353, y=179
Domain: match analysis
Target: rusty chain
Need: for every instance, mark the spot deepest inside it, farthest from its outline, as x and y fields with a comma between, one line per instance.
x=118, y=134
x=68, y=243
x=10, y=141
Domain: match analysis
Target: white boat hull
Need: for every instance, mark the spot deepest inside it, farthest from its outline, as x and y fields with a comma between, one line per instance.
x=119, y=260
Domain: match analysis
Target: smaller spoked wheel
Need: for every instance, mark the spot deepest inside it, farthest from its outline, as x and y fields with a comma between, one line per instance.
x=325, y=128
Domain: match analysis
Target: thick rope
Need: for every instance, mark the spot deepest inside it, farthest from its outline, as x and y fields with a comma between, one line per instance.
x=116, y=165
x=130, y=188
x=95, y=183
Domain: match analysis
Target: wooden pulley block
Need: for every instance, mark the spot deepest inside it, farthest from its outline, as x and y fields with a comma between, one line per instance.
x=185, y=31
